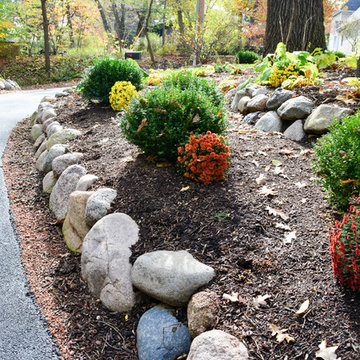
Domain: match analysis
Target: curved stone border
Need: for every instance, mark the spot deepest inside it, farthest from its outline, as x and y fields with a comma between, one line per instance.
x=9, y=85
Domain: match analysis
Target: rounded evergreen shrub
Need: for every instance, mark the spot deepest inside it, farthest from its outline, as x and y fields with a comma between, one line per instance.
x=337, y=160
x=99, y=78
x=162, y=119
x=246, y=57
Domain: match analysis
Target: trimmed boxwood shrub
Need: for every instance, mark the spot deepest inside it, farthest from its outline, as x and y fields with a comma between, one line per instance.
x=99, y=78
x=163, y=119
x=246, y=57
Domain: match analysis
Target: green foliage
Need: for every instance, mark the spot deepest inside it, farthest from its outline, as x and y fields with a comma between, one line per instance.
x=99, y=78
x=162, y=119
x=219, y=67
x=355, y=82
x=337, y=160
x=339, y=54
x=281, y=71
x=344, y=247
x=246, y=57
x=324, y=60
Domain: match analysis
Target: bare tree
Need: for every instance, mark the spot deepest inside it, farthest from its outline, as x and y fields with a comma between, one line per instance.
x=46, y=36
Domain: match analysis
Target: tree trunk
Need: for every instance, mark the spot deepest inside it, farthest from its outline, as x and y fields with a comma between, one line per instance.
x=71, y=32
x=164, y=25
x=181, y=22
x=300, y=26
x=46, y=36
x=122, y=20
x=358, y=68
x=147, y=35
x=117, y=20
x=103, y=16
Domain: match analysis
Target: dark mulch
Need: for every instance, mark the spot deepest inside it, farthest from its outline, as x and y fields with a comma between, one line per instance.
x=225, y=225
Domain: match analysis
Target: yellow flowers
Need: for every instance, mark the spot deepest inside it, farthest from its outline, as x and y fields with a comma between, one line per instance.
x=281, y=72
x=121, y=94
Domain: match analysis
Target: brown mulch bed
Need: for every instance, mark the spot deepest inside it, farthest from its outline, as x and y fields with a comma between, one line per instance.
x=225, y=225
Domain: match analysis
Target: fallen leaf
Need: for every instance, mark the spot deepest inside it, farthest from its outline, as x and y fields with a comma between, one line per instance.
x=327, y=353
x=301, y=185
x=267, y=168
x=276, y=162
x=289, y=237
x=280, y=334
x=267, y=191
x=303, y=308
x=279, y=213
x=196, y=118
x=285, y=151
x=260, y=300
x=282, y=226
x=261, y=179
x=234, y=297
x=279, y=171
x=143, y=123
x=185, y=188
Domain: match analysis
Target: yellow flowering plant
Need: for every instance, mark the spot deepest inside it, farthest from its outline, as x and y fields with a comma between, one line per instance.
x=281, y=71
x=121, y=94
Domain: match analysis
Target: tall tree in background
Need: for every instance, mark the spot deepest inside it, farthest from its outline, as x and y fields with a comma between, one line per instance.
x=46, y=36
x=300, y=26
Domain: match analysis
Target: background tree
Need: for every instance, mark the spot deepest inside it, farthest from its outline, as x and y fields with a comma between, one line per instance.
x=299, y=26
x=45, y=24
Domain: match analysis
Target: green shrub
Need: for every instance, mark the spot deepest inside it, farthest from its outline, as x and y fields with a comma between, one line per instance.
x=162, y=119
x=99, y=78
x=338, y=160
x=344, y=247
x=183, y=80
x=339, y=54
x=246, y=57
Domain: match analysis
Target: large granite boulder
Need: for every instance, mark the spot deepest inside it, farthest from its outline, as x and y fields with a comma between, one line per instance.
x=278, y=97
x=62, y=137
x=62, y=162
x=170, y=276
x=105, y=262
x=217, y=344
x=242, y=105
x=201, y=312
x=270, y=122
x=295, y=131
x=65, y=185
x=36, y=132
x=322, y=117
x=238, y=95
x=257, y=103
x=160, y=336
x=75, y=228
x=98, y=205
x=296, y=108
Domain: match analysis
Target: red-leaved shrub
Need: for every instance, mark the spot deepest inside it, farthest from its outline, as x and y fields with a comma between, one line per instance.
x=344, y=247
x=204, y=158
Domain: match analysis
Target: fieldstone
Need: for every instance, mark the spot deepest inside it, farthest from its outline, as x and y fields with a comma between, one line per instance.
x=86, y=181
x=322, y=117
x=40, y=162
x=47, y=123
x=270, y=122
x=7, y=85
x=250, y=90
x=217, y=344
x=160, y=336
x=64, y=161
x=41, y=149
x=229, y=95
x=262, y=90
x=45, y=105
x=36, y=131
x=2, y=85
x=242, y=105
x=278, y=97
x=14, y=84
x=99, y=204
x=62, y=137
x=39, y=141
x=238, y=95
x=251, y=118
x=257, y=103
x=48, y=113
x=105, y=262
x=170, y=276
x=69, y=90
x=75, y=228
x=295, y=108
x=49, y=182
x=53, y=128
x=49, y=99
x=44, y=164
x=33, y=118
x=295, y=131
x=201, y=312
x=65, y=185
x=61, y=94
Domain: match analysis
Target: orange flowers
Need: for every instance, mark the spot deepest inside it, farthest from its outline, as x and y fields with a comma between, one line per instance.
x=205, y=158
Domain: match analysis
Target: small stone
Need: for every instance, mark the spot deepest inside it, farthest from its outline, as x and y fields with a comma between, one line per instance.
x=44, y=164
x=64, y=161
x=250, y=90
x=48, y=113
x=251, y=118
x=62, y=137
x=61, y=94
x=296, y=108
x=39, y=141
x=2, y=84
x=257, y=103
x=65, y=185
x=40, y=149
x=47, y=123
x=201, y=312
x=235, y=103
x=53, y=128
x=105, y=264
x=278, y=97
x=261, y=91
x=86, y=182
x=170, y=276
x=49, y=182
x=36, y=131
x=230, y=95
x=99, y=204
x=217, y=344
x=295, y=131
x=160, y=336
x=49, y=99
x=270, y=122
x=242, y=106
